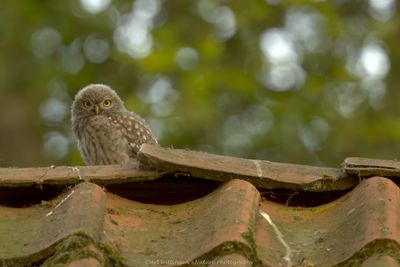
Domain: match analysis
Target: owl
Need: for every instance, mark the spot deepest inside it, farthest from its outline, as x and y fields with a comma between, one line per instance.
x=106, y=131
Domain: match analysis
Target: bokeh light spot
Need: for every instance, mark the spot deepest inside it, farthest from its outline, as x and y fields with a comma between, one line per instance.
x=314, y=133
x=277, y=46
x=222, y=17
x=95, y=6
x=53, y=110
x=45, y=41
x=55, y=145
x=71, y=58
x=161, y=95
x=283, y=77
x=373, y=61
x=186, y=58
x=382, y=10
x=133, y=34
x=96, y=50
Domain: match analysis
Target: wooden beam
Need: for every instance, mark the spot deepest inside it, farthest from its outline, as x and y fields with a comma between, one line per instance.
x=261, y=173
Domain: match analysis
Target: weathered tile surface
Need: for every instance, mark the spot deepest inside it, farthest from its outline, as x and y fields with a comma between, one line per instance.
x=63, y=175
x=227, y=224
x=361, y=223
x=381, y=261
x=203, y=230
x=30, y=234
x=261, y=173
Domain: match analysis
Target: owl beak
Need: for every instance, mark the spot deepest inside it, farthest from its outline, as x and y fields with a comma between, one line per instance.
x=96, y=109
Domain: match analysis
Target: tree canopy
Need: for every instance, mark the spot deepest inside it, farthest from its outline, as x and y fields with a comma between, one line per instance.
x=296, y=81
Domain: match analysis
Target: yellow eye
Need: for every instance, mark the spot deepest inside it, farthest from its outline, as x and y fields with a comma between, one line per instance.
x=87, y=104
x=107, y=103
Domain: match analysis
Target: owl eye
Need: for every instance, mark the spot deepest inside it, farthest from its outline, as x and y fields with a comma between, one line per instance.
x=87, y=104
x=107, y=103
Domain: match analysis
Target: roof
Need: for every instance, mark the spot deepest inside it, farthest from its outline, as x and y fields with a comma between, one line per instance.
x=186, y=208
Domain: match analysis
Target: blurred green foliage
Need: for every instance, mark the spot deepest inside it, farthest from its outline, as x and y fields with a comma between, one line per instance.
x=296, y=81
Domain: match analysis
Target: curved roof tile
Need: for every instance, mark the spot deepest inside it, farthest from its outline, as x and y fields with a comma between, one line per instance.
x=230, y=224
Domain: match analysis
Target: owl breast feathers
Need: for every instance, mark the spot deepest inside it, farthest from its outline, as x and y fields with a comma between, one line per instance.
x=106, y=131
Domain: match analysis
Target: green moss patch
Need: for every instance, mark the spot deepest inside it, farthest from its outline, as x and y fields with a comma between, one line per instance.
x=80, y=246
x=378, y=247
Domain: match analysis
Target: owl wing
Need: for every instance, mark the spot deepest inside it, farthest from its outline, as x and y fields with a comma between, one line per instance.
x=134, y=129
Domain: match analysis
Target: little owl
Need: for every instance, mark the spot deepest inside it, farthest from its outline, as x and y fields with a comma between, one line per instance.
x=107, y=132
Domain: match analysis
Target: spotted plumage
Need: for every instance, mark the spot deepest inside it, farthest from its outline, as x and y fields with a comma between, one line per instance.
x=106, y=131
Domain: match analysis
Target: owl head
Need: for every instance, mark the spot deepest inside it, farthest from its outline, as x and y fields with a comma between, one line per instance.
x=96, y=99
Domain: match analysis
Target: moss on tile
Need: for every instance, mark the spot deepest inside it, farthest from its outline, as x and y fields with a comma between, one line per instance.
x=378, y=247
x=381, y=187
x=80, y=246
x=225, y=249
x=249, y=237
x=75, y=247
x=113, y=257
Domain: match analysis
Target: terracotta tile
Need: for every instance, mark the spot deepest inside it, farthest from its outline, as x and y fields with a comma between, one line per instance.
x=380, y=261
x=232, y=260
x=228, y=227
x=204, y=229
x=30, y=234
x=88, y=262
x=65, y=175
x=365, y=167
x=332, y=233
x=261, y=173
